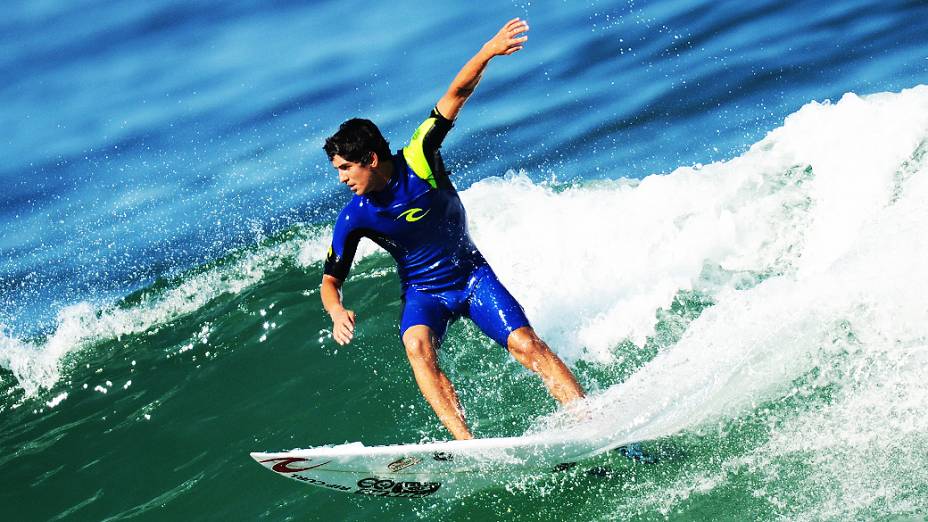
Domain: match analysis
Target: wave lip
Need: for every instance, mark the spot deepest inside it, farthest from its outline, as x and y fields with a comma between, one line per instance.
x=831, y=340
x=612, y=254
x=36, y=365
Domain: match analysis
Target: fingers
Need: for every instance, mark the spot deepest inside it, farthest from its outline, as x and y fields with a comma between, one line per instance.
x=343, y=328
x=342, y=333
x=508, y=39
x=514, y=27
x=520, y=27
x=513, y=43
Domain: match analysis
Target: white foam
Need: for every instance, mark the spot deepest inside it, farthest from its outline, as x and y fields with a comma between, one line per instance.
x=57, y=399
x=611, y=255
x=828, y=211
x=844, y=307
x=37, y=365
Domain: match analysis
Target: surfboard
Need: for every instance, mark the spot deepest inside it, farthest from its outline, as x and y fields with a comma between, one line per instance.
x=433, y=469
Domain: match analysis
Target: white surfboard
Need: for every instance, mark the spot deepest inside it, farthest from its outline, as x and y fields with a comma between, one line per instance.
x=433, y=469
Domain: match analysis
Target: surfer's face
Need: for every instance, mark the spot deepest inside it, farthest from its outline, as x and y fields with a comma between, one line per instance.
x=360, y=178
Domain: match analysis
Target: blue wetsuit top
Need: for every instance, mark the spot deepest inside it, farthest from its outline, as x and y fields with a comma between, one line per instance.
x=418, y=218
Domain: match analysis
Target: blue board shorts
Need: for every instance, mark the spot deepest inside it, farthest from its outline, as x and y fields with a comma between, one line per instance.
x=484, y=300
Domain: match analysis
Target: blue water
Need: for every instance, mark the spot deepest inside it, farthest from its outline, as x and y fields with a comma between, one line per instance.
x=757, y=319
x=144, y=138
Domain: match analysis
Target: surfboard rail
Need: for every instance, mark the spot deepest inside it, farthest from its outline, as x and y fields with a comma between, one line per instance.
x=432, y=468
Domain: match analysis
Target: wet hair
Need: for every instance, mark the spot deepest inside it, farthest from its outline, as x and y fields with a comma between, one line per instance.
x=355, y=140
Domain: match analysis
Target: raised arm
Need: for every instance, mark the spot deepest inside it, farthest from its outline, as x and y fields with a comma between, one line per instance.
x=505, y=42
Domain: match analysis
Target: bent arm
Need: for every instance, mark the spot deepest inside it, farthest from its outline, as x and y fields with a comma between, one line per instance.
x=331, y=293
x=505, y=42
x=342, y=319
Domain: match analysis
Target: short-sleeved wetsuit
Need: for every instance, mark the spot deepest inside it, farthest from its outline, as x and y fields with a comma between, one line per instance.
x=419, y=219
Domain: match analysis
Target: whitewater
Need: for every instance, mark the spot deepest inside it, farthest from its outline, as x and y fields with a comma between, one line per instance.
x=808, y=250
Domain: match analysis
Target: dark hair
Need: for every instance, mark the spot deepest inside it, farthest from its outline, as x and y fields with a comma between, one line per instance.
x=355, y=140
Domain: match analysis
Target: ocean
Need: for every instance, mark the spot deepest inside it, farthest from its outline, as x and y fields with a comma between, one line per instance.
x=715, y=213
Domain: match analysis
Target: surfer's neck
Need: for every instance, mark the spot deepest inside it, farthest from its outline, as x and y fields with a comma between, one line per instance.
x=383, y=173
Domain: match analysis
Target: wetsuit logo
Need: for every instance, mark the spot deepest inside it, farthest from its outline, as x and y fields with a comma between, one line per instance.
x=413, y=214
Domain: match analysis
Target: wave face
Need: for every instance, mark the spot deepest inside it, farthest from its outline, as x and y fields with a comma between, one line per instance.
x=763, y=314
x=755, y=311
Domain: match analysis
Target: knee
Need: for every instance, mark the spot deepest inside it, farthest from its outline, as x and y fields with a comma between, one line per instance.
x=525, y=344
x=418, y=348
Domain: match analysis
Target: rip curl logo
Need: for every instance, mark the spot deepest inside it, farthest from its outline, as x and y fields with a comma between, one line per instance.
x=414, y=214
x=283, y=464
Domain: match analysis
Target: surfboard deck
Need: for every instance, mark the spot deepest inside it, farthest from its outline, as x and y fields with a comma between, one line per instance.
x=432, y=469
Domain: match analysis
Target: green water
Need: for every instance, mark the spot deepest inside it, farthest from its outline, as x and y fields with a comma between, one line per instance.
x=188, y=397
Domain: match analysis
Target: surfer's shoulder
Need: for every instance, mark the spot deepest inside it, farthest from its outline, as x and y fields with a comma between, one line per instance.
x=421, y=153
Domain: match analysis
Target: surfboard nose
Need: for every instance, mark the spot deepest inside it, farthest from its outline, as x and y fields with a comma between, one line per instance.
x=259, y=455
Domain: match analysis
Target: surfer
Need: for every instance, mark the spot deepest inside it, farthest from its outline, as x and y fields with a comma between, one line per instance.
x=406, y=203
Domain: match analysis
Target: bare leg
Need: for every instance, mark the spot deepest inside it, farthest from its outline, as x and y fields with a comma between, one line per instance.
x=534, y=354
x=435, y=386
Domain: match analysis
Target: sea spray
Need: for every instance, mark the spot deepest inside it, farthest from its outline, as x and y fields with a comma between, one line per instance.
x=794, y=382
x=841, y=328
x=36, y=364
x=612, y=254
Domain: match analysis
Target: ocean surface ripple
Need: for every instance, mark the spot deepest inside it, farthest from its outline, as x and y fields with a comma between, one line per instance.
x=714, y=212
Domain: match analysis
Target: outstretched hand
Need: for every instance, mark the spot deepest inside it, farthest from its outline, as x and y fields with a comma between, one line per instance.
x=343, y=326
x=507, y=40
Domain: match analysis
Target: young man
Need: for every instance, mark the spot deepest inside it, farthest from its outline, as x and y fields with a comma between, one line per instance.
x=406, y=204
